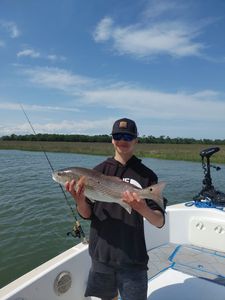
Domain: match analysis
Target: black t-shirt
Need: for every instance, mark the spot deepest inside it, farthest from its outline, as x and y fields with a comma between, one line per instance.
x=117, y=237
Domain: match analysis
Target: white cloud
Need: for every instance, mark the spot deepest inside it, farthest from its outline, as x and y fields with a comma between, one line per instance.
x=204, y=105
x=102, y=126
x=9, y=106
x=172, y=38
x=28, y=52
x=78, y=127
x=27, y=107
x=161, y=105
x=54, y=57
x=57, y=78
x=11, y=28
x=162, y=8
x=103, y=30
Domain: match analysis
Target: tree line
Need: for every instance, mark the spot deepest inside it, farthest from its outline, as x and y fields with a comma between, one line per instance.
x=107, y=139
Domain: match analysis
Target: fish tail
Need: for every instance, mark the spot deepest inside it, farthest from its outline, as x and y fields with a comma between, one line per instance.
x=154, y=192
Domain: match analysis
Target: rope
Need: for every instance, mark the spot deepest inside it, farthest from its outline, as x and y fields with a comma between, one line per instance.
x=204, y=203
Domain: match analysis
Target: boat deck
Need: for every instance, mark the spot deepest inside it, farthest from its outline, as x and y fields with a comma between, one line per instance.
x=187, y=272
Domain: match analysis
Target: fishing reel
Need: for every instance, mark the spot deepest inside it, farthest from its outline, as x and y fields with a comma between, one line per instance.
x=76, y=230
x=208, y=191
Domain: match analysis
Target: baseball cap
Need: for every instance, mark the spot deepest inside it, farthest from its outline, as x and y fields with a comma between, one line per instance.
x=125, y=125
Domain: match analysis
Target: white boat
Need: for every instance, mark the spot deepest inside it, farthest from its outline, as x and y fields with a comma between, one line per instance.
x=187, y=260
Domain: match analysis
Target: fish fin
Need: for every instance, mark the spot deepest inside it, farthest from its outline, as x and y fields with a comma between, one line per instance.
x=126, y=206
x=114, y=178
x=81, y=181
x=92, y=200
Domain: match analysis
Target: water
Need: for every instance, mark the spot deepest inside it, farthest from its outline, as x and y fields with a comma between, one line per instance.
x=34, y=217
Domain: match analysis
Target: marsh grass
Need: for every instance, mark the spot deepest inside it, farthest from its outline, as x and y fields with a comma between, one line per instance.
x=187, y=152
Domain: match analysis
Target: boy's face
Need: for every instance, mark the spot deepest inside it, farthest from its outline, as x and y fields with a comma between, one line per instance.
x=124, y=147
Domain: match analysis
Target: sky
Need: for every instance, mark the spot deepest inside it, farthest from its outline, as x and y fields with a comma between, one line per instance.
x=76, y=66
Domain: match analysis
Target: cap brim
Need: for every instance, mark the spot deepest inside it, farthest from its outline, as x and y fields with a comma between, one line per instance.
x=124, y=131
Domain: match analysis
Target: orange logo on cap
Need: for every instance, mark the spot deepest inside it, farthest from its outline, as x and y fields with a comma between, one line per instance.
x=123, y=124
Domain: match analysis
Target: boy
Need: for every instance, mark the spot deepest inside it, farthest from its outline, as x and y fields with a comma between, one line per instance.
x=117, y=244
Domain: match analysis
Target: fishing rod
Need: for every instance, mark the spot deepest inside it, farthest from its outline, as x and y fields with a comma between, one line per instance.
x=77, y=230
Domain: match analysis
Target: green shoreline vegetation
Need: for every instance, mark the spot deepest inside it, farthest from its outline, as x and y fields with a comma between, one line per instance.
x=160, y=148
